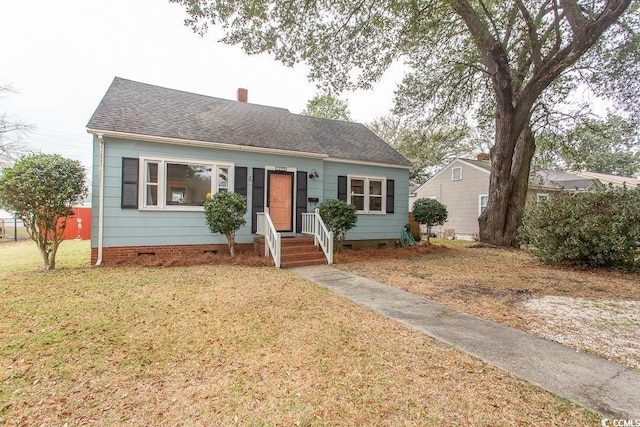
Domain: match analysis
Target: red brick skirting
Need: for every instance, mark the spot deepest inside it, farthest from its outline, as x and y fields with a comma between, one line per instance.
x=114, y=255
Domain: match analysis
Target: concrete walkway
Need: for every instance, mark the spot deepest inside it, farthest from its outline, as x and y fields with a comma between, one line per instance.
x=600, y=385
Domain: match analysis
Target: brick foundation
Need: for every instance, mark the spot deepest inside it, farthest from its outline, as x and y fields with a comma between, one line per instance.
x=115, y=255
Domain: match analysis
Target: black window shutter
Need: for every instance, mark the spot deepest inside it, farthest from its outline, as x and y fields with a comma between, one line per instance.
x=390, y=195
x=240, y=181
x=257, y=197
x=301, y=199
x=342, y=188
x=129, y=198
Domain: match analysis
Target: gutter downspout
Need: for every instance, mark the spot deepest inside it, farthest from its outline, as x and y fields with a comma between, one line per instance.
x=100, y=199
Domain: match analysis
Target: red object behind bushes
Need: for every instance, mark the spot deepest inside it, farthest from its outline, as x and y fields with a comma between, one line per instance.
x=79, y=225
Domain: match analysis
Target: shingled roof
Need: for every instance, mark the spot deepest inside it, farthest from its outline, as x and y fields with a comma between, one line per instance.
x=135, y=108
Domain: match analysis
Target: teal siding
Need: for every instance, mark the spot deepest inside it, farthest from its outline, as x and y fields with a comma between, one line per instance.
x=132, y=227
x=372, y=226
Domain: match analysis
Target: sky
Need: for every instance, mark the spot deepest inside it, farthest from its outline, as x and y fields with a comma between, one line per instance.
x=61, y=56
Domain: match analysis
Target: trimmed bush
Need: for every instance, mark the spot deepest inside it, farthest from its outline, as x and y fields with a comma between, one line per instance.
x=224, y=213
x=599, y=229
x=339, y=218
x=429, y=212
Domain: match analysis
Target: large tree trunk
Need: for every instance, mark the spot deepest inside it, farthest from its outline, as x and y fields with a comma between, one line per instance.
x=515, y=98
x=508, y=184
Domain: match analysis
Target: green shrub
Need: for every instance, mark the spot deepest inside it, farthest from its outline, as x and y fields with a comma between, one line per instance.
x=41, y=189
x=599, y=229
x=339, y=218
x=429, y=212
x=224, y=213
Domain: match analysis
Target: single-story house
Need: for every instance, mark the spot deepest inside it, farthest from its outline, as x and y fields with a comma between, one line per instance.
x=158, y=153
x=463, y=187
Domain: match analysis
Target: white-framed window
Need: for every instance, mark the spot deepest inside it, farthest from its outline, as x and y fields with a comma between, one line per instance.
x=482, y=205
x=179, y=184
x=456, y=174
x=540, y=197
x=367, y=194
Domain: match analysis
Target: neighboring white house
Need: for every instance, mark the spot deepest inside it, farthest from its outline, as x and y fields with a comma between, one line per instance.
x=463, y=187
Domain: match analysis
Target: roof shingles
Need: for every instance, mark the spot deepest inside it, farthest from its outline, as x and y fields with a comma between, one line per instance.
x=137, y=108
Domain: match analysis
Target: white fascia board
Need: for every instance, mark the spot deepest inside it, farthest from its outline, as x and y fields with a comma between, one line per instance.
x=447, y=167
x=204, y=144
x=473, y=166
x=366, y=163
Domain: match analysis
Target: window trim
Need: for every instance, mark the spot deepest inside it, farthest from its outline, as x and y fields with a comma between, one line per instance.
x=480, y=203
x=542, y=196
x=383, y=195
x=162, y=182
x=453, y=173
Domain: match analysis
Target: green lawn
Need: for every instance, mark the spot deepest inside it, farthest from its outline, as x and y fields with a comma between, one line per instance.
x=229, y=345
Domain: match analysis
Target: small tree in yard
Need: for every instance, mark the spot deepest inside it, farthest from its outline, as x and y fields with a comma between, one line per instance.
x=224, y=213
x=41, y=189
x=429, y=212
x=339, y=218
x=600, y=229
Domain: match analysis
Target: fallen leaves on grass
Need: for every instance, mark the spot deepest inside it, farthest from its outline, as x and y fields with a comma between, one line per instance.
x=495, y=284
x=231, y=345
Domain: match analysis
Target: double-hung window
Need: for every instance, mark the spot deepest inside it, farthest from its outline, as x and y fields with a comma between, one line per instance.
x=542, y=197
x=484, y=199
x=367, y=194
x=181, y=184
x=456, y=174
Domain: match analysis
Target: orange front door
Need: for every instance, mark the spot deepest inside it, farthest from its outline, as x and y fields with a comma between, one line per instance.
x=281, y=200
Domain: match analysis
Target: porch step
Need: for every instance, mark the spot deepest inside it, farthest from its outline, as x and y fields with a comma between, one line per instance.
x=295, y=251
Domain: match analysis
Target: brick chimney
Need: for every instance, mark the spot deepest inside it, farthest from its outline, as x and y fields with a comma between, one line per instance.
x=483, y=157
x=243, y=95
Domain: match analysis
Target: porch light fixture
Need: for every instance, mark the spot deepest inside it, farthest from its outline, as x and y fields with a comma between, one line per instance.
x=313, y=174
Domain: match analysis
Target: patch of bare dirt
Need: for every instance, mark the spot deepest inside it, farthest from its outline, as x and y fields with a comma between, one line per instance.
x=610, y=328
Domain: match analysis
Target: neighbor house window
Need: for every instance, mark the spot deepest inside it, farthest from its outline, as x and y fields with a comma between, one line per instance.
x=186, y=185
x=456, y=174
x=542, y=197
x=367, y=194
x=483, y=202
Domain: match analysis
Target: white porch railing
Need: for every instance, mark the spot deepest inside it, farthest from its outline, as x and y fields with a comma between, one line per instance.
x=272, y=238
x=312, y=224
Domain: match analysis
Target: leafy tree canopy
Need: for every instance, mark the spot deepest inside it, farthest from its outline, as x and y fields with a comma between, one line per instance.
x=429, y=148
x=610, y=146
x=327, y=106
x=41, y=189
x=502, y=63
